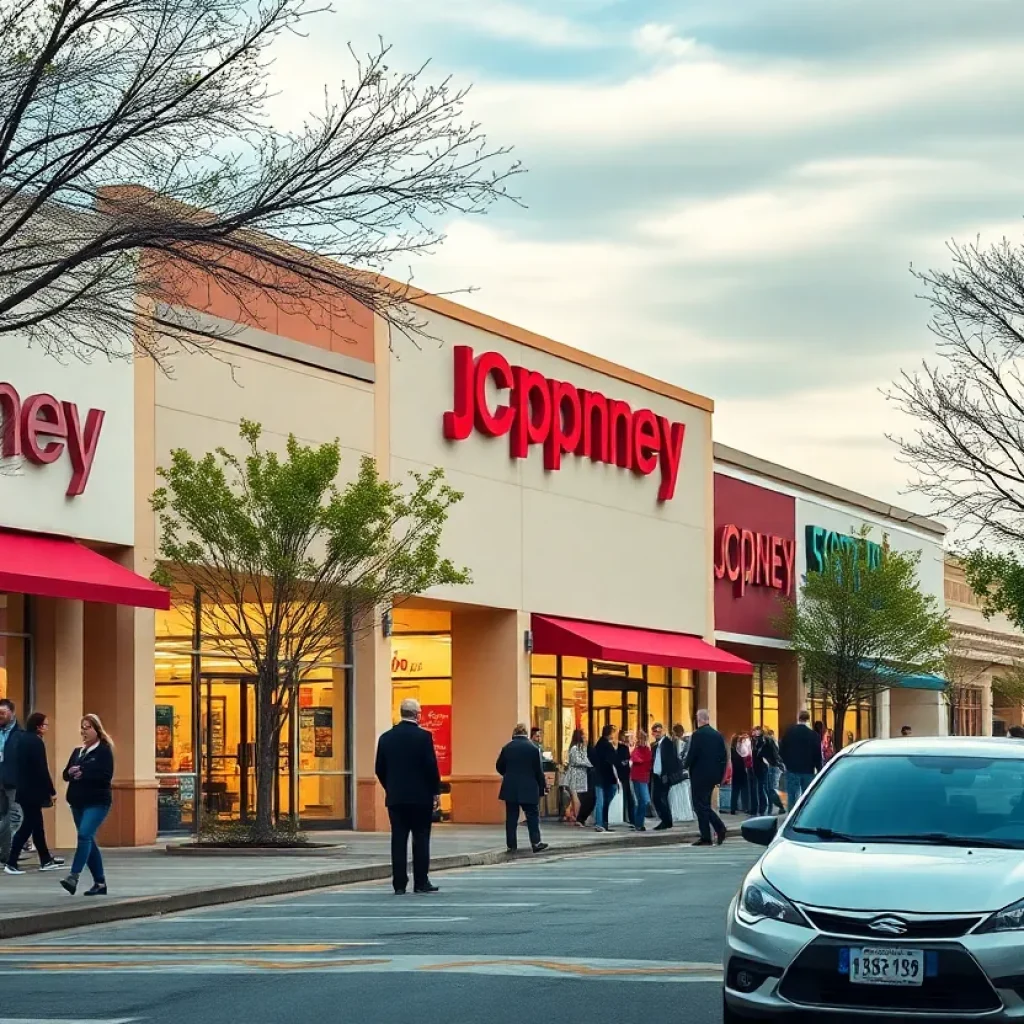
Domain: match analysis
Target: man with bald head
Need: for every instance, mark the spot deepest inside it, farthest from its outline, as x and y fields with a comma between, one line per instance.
x=407, y=769
x=706, y=760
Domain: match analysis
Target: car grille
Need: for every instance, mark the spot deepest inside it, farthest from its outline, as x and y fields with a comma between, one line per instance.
x=959, y=986
x=860, y=926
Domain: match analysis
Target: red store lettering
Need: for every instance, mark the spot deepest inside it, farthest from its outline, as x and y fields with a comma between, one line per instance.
x=40, y=428
x=754, y=559
x=565, y=419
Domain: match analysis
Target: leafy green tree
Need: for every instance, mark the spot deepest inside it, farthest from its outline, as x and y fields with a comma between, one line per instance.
x=294, y=562
x=861, y=623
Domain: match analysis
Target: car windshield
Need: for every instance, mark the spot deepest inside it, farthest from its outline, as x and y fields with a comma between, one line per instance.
x=943, y=800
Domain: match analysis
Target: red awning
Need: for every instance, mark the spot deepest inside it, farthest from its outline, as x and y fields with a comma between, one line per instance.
x=639, y=646
x=58, y=567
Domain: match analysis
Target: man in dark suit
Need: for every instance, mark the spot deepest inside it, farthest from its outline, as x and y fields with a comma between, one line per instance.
x=522, y=785
x=407, y=769
x=801, y=754
x=706, y=761
x=666, y=771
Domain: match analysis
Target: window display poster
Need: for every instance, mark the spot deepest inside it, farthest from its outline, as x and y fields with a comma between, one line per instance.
x=437, y=720
x=323, y=732
x=306, y=730
x=164, y=738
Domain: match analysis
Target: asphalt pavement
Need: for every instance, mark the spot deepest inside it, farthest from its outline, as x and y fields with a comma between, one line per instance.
x=572, y=939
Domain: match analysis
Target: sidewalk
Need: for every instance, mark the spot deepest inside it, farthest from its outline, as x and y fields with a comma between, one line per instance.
x=147, y=881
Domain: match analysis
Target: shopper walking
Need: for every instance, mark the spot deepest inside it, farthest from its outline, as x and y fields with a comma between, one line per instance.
x=88, y=774
x=522, y=785
x=35, y=791
x=10, y=812
x=575, y=779
x=624, y=756
x=706, y=761
x=406, y=767
x=641, y=762
x=801, y=754
x=666, y=771
x=604, y=759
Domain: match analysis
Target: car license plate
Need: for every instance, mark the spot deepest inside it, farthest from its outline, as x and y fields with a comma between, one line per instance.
x=879, y=965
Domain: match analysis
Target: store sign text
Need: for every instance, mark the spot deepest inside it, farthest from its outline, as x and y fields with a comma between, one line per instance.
x=752, y=559
x=565, y=419
x=40, y=428
x=821, y=543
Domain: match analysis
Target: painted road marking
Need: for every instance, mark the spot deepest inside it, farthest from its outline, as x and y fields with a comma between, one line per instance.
x=562, y=967
x=604, y=879
x=202, y=918
x=67, y=1020
x=345, y=904
x=522, y=890
x=145, y=948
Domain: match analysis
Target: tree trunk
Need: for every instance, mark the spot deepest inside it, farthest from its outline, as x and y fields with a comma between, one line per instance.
x=839, y=728
x=266, y=758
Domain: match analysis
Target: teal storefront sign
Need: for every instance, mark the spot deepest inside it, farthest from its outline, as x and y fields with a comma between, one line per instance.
x=821, y=543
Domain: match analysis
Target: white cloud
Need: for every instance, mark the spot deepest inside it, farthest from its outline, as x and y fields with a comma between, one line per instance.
x=658, y=40
x=716, y=95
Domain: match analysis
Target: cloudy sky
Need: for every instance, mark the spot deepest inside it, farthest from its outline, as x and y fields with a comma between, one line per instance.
x=728, y=194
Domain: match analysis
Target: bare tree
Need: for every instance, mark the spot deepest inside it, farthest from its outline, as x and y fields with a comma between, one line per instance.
x=968, y=451
x=138, y=159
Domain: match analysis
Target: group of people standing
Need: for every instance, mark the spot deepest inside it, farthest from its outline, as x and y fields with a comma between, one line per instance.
x=27, y=789
x=645, y=771
x=675, y=774
x=758, y=762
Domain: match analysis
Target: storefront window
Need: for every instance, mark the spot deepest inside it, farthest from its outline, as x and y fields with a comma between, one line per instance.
x=684, y=698
x=968, y=712
x=14, y=653
x=766, y=697
x=206, y=720
x=659, y=707
x=421, y=669
x=860, y=720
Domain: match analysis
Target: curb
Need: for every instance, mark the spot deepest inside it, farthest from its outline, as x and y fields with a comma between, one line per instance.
x=317, y=850
x=194, y=899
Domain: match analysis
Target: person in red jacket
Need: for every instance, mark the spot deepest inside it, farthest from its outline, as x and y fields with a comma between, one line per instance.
x=640, y=775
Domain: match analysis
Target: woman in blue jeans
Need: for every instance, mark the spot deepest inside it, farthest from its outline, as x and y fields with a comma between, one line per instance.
x=88, y=774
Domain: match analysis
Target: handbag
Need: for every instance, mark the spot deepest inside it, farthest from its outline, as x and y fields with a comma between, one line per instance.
x=676, y=777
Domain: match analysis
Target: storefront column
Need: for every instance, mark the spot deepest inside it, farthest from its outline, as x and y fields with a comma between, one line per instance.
x=371, y=716
x=118, y=669
x=986, y=705
x=490, y=694
x=59, y=632
x=791, y=697
x=883, y=716
x=707, y=695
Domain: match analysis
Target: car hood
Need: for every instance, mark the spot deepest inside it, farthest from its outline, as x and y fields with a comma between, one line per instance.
x=885, y=877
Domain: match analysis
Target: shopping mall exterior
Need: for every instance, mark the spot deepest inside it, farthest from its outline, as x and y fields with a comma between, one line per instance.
x=602, y=528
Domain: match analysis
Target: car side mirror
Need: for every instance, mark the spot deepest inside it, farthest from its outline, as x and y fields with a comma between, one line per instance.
x=760, y=831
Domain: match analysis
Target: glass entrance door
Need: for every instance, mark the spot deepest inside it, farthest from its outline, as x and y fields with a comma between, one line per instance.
x=228, y=745
x=621, y=706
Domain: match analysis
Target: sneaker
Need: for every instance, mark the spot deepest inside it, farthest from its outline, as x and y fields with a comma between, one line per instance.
x=540, y=847
x=424, y=889
x=53, y=864
x=70, y=884
x=598, y=828
x=30, y=847
x=98, y=889
x=11, y=870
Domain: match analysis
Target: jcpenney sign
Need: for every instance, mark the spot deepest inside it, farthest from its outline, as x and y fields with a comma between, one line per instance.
x=40, y=428
x=562, y=418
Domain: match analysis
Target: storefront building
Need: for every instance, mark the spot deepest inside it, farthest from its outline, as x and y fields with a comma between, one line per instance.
x=772, y=526
x=985, y=649
x=586, y=524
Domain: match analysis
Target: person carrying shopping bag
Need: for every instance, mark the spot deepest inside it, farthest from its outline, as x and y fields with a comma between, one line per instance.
x=89, y=772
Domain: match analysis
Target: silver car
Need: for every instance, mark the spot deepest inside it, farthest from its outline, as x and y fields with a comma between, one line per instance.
x=895, y=888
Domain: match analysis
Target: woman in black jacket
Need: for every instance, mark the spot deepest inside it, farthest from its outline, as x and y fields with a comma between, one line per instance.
x=35, y=791
x=89, y=772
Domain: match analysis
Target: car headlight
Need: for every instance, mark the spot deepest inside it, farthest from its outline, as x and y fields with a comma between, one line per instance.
x=760, y=901
x=1011, y=919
